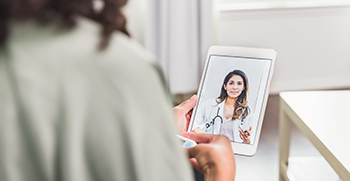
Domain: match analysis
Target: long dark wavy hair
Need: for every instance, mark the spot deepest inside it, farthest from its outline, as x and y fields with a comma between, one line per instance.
x=110, y=17
x=241, y=108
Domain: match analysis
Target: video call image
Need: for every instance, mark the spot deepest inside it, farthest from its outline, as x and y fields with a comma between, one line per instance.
x=231, y=97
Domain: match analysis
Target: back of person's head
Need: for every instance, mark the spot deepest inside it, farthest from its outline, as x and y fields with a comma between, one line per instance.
x=107, y=13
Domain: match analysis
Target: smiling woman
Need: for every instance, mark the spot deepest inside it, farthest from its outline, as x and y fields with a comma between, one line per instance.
x=227, y=113
x=235, y=90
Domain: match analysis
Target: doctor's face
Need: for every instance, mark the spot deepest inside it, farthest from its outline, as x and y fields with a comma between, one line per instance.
x=234, y=86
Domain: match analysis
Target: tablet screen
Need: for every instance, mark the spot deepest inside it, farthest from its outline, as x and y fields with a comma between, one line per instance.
x=231, y=97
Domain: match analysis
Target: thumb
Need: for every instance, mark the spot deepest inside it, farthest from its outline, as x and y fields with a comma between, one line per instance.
x=196, y=165
x=188, y=104
x=192, y=153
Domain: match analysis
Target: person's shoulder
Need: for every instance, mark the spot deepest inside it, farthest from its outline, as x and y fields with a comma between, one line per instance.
x=124, y=56
x=129, y=48
x=125, y=48
x=120, y=45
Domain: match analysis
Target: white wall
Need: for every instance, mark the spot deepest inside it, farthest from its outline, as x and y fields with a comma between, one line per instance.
x=313, y=44
x=136, y=13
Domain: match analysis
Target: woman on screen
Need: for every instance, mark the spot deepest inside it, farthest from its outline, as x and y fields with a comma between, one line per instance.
x=227, y=114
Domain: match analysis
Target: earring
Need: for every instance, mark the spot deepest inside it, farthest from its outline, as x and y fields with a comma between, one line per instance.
x=97, y=6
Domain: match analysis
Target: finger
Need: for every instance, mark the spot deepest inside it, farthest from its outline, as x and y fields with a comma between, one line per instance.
x=247, y=133
x=193, y=151
x=187, y=123
x=250, y=128
x=241, y=136
x=191, y=155
x=188, y=115
x=198, y=137
x=188, y=119
x=198, y=130
x=195, y=164
x=187, y=105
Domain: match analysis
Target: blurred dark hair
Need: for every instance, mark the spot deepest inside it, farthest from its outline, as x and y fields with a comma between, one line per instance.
x=241, y=108
x=110, y=17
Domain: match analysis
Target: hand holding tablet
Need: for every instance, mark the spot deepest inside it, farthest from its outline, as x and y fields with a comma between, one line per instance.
x=213, y=156
x=183, y=113
x=187, y=143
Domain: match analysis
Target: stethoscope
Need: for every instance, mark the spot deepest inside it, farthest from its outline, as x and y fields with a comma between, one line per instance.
x=216, y=118
x=219, y=118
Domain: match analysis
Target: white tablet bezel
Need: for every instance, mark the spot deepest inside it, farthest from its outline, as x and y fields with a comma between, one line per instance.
x=258, y=53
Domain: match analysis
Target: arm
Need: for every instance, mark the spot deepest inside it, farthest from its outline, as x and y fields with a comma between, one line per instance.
x=213, y=156
x=245, y=135
x=183, y=113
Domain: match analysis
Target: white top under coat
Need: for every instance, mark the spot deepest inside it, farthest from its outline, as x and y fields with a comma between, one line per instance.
x=208, y=110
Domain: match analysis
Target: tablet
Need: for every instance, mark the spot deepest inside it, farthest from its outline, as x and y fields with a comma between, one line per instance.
x=232, y=95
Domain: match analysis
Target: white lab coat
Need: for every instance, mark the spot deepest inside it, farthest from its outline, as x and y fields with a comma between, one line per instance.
x=209, y=110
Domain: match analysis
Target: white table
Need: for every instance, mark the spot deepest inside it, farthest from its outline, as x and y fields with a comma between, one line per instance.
x=324, y=118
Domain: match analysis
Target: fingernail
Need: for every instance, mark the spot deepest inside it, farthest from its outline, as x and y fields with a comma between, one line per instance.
x=193, y=96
